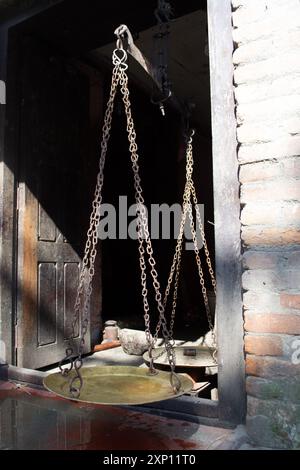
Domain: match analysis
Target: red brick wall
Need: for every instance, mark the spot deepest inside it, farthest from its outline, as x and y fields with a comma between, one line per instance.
x=267, y=93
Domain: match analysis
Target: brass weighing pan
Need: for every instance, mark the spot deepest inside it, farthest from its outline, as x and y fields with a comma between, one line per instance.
x=118, y=385
x=186, y=357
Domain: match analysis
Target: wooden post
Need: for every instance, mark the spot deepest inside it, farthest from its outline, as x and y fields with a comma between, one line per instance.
x=9, y=133
x=231, y=379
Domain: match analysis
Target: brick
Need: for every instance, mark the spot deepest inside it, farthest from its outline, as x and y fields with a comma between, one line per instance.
x=272, y=323
x=261, y=260
x=250, y=92
x=280, y=214
x=260, y=10
x=293, y=259
x=268, y=26
x=273, y=423
x=258, y=387
x=290, y=167
x=263, y=49
x=269, y=110
x=290, y=300
x=280, y=388
x=259, y=171
x=262, y=132
x=263, y=345
x=253, y=406
x=288, y=279
x=281, y=65
x=272, y=259
x=267, y=280
x=270, y=236
x=259, y=302
x=249, y=4
x=262, y=171
x=259, y=429
x=270, y=367
x=283, y=147
x=260, y=280
x=285, y=189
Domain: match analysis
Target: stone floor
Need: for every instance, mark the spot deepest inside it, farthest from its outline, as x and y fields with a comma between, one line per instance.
x=32, y=418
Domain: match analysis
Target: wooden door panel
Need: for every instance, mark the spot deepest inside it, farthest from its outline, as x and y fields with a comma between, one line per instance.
x=71, y=280
x=47, y=229
x=47, y=304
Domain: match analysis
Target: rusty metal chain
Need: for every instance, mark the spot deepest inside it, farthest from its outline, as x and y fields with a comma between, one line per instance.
x=82, y=303
x=206, y=250
x=163, y=14
x=145, y=248
x=212, y=327
x=176, y=263
x=87, y=271
x=190, y=193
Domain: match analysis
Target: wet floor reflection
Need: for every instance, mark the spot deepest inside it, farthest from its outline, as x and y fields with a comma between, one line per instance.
x=33, y=422
x=36, y=419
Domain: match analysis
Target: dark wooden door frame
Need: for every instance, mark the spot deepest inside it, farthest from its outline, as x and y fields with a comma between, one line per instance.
x=231, y=372
x=7, y=211
x=232, y=396
x=5, y=329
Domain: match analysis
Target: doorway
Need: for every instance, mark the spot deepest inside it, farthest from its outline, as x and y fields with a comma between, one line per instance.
x=56, y=166
x=59, y=28
x=59, y=122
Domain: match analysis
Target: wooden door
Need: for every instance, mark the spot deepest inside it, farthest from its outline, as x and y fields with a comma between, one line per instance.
x=57, y=175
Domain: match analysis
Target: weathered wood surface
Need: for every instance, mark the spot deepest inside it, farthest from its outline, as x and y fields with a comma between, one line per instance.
x=231, y=378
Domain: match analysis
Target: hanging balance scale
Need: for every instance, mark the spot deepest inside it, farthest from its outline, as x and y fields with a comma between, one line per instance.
x=128, y=385
x=195, y=356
